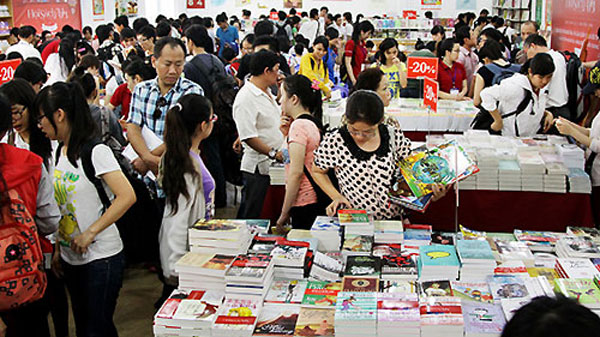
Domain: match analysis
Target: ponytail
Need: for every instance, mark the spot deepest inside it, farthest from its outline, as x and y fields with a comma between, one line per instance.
x=308, y=93
x=181, y=123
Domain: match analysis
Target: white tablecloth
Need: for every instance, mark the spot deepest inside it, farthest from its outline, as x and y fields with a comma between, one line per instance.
x=452, y=116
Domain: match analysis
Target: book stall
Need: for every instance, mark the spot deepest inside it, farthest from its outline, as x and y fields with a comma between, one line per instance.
x=351, y=275
x=408, y=29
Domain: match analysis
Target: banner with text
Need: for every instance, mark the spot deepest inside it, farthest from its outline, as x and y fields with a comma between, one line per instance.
x=44, y=15
x=572, y=21
x=430, y=94
x=7, y=70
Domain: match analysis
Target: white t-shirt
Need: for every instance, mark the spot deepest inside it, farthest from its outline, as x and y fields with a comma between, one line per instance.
x=595, y=147
x=558, y=94
x=80, y=206
x=309, y=30
x=25, y=49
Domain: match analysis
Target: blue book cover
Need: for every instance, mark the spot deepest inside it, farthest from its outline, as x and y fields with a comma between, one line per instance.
x=417, y=235
x=474, y=250
x=438, y=255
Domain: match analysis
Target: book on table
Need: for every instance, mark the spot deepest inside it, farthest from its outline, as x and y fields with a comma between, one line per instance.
x=360, y=284
x=214, y=265
x=249, y=268
x=316, y=322
x=321, y=294
x=236, y=317
x=194, y=310
x=284, y=291
x=277, y=320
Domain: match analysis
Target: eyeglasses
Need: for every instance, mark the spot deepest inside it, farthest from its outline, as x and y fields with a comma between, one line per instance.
x=159, y=104
x=367, y=134
x=19, y=112
x=39, y=119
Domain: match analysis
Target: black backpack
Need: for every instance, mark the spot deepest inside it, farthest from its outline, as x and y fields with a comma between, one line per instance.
x=323, y=200
x=484, y=120
x=501, y=73
x=281, y=30
x=575, y=82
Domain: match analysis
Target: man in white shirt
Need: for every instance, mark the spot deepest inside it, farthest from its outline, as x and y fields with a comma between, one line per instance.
x=24, y=46
x=322, y=20
x=310, y=29
x=558, y=94
x=257, y=118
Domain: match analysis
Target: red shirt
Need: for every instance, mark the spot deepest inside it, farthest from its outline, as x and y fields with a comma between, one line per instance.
x=449, y=78
x=122, y=96
x=358, y=54
x=51, y=48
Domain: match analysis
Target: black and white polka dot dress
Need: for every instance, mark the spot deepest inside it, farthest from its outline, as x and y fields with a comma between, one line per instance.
x=364, y=177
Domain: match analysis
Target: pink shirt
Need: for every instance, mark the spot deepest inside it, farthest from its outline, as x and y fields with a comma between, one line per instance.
x=470, y=61
x=304, y=132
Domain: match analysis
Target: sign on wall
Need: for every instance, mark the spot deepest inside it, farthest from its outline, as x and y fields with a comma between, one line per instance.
x=44, y=15
x=570, y=27
x=195, y=4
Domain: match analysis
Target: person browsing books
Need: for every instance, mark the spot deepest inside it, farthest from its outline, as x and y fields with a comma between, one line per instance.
x=186, y=181
x=363, y=154
x=394, y=69
x=302, y=110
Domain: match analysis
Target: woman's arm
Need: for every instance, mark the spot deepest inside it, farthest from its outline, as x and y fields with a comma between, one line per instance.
x=124, y=199
x=465, y=89
x=348, y=61
x=403, y=77
x=568, y=128
x=292, y=186
x=322, y=179
x=478, y=84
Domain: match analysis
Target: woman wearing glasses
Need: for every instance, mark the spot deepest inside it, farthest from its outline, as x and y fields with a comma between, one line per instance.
x=452, y=75
x=186, y=181
x=363, y=153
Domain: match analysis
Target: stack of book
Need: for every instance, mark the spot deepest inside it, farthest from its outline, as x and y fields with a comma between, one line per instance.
x=577, y=246
x=360, y=284
x=285, y=291
x=417, y=235
x=556, y=172
x=289, y=258
x=315, y=322
x=187, y=313
x=236, y=317
x=277, y=174
x=277, y=320
x=356, y=221
x=538, y=241
x=363, y=266
x=264, y=244
x=575, y=268
x=356, y=314
x=437, y=288
x=476, y=258
x=572, y=155
x=514, y=251
x=579, y=181
x=509, y=175
x=357, y=245
x=441, y=316
x=472, y=291
x=327, y=230
x=326, y=268
x=488, y=164
x=398, y=314
x=532, y=171
x=249, y=276
x=398, y=267
x=438, y=262
x=203, y=271
x=593, y=233
x=483, y=319
x=320, y=294
x=389, y=232
x=227, y=237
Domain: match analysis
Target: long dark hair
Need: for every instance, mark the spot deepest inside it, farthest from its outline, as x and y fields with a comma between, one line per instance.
x=310, y=98
x=66, y=51
x=19, y=91
x=181, y=123
x=70, y=98
x=5, y=125
x=385, y=45
x=359, y=27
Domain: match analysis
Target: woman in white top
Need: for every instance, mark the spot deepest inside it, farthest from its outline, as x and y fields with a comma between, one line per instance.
x=90, y=260
x=502, y=100
x=59, y=65
x=590, y=137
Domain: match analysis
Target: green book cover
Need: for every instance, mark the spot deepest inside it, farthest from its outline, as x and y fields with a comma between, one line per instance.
x=321, y=294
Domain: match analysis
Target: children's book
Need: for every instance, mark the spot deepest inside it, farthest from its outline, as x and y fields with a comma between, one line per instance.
x=472, y=291
x=582, y=290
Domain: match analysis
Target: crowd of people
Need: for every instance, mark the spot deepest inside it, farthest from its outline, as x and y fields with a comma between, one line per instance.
x=200, y=107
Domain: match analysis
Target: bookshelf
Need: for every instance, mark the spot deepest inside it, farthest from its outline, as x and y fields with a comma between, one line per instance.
x=6, y=18
x=516, y=12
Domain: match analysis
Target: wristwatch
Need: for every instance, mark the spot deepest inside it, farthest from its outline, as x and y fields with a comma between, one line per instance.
x=272, y=153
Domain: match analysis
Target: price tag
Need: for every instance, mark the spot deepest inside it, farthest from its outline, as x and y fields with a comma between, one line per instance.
x=411, y=15
x=7, y=70
x=430, y=94
x=195, y=4
x=419, y=67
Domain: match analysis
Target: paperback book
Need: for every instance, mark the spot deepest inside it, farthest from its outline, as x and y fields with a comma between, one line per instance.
x=277, y=320
x=236, y=316
x=316, y=322
x=326, y=268
x=249, y=267
x=353, y=217
x=435, y=288
x=218, y=228
x=398, y=286
x=472, y=291
x=363, y=266
x=360, y=284
x=189, y=309
x=321, y=294
x=358, y=243
x=356, y=307
x=507, y=286
x=483, y=318
x=283, y=291
x=583, y=291
x=398, y=266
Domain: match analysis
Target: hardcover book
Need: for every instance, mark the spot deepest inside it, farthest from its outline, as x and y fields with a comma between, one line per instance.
x=321, y=294
x=285, y=291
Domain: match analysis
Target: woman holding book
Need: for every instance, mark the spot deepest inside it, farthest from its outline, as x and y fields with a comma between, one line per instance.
x=302, y=110
x=363, y=153
x=188, y=185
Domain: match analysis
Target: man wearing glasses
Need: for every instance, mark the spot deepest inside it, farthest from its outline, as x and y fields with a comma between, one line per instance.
x=152, y=99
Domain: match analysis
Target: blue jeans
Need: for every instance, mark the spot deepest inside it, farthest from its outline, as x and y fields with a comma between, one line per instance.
x=94, y=289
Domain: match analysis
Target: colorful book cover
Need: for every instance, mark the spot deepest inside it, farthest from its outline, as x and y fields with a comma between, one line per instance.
x=353, y=217
x=277, y=320
x=441, y=311
x=326, y=223
x=582, y=290
x=360, y=284
x=358, y=243
x=483, y=318
x=258, y=226
x=316, y=322
x=195, y=305
x=444, y=165
x=264, y=244
x=249, y=265
x=438, y=255
x=511, y=305
x=321, y=294
x=443, y=238
x=363, y=266
x=594, y=233
x=382, y=249
x=399, y=265
x=218, y=262
x=537, y=237
x=401, y=194
x=398, y=286
x=328, y=263
x=286, y=291
x=435, y=288
x=290, y=252
x=237, y=314
x=470, y=234
x=398, y=307
x=356, y=307
x=417, y=235
x=507, y=286
x=478, y=250
x=220, y=225
x=579, y=245
x=472, y=291
x=549, y=273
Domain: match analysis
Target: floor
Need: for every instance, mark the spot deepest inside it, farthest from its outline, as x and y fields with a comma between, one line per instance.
x=141, y=288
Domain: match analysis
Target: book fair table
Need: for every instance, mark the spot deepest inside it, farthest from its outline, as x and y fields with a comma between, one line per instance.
x=414, y=119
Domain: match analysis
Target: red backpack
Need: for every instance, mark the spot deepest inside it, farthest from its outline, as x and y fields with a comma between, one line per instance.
x=22, y=276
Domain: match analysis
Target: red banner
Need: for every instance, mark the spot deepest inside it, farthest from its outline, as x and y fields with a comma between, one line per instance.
x=411, y=15
x=47, y=15
x=195, y=4
x=430, y=94
x=419, y=67
x=572, y=21
x=7, y=70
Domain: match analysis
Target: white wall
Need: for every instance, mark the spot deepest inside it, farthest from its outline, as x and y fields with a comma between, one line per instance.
x=152, y=8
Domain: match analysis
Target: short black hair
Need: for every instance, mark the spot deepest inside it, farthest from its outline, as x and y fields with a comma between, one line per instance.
x=332, y=33
x=429, y=15
x=325, y=8
x=263, y=27
x=314, y=13
x=536, y=39
x=261, y=60
x=122, y=20
x=140, y=23
x=14, y=55
x=159, y=18
x=552, y=317
x=491, y=49
x=484, y=12
x=463, y=33
x=103, y=33
x=438, y=29
x=148, y=32
x=248, y=38
x=497, y=20
x=541, y=64
x=127, y=33
x=86, y=29
x=482, y=20
x=281, y=15
x=138, y=67
x=293, y=11
x=89, y=61
x=221, y=18
x=163, y=29
x=14, y=31
x=266, y=40
x=67, y=29
x=26, y=31
x=321, y=40
x=369, y=79
x=228, y=54
x=444, y=46
x=32, y=72
x=168, y=41
x=246, y=12
x=365, y=106
x=199, y=37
